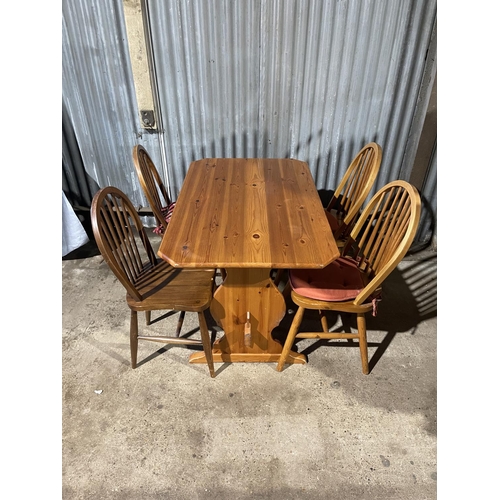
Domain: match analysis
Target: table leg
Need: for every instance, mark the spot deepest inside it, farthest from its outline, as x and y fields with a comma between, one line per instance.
x=247, y=290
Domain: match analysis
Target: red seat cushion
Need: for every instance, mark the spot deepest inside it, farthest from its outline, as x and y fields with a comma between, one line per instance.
x=339, y=281
x=167, y=213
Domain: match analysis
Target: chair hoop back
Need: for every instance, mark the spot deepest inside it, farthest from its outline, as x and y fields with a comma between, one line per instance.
x=151, y=183
x=384, y=232
x=121, y=238
x=357, y=182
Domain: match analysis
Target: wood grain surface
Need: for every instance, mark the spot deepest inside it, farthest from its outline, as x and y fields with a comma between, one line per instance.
x=260, y=213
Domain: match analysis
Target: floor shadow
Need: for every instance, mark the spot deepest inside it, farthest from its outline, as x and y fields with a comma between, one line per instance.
x=409, y=297
x=163, y=349
x=167, y=347
x=86, y=251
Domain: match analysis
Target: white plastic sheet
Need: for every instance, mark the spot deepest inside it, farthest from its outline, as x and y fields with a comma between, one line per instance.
x=73, y=233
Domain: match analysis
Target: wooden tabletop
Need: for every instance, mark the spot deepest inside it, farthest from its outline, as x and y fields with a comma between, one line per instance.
x=248, y=213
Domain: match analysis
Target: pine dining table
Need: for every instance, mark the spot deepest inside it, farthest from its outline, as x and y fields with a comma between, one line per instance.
x=248, y=216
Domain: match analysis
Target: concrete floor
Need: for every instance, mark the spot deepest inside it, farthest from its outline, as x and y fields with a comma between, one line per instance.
x=323, y=430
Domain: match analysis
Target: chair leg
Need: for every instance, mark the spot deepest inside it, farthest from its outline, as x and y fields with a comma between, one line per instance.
x=324, y=321
x=207, y=346
x=294, y=328
x=133, y=338
x=287, y=290
x=148, y=317
x=363, y=345
x=223, y=274
x=277, y=278
x=179, y=323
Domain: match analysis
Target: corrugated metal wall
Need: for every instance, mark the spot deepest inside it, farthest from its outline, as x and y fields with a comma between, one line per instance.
x=313, y=80
x=99, y=103
x=308, y=79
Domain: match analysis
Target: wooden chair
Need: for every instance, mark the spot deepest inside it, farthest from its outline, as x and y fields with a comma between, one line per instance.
x=345, y=205
x=153, y=188
x=151, y=284
x=352, y=283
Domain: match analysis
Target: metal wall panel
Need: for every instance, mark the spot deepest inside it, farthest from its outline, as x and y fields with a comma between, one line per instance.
x=99, y=99
x=308, y=79
x=207, y=58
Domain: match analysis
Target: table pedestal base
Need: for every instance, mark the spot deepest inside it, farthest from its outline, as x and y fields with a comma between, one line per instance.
x=247, y=290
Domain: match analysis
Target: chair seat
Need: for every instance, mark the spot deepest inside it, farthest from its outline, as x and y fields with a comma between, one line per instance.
x=377, y=243
x=339, y=281
x=188, y=289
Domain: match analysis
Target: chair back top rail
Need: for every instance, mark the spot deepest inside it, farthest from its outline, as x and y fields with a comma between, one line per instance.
x=356, y=183
x=151, y=183
x=384, y=232
x=121, y=237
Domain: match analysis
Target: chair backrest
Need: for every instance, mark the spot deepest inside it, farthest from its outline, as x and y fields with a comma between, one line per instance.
x=151, y=183
x=356, y=184
x=383, y=233
x=121, y=237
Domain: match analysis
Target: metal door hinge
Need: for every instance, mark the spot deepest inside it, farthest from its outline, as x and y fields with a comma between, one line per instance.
x=148, y=118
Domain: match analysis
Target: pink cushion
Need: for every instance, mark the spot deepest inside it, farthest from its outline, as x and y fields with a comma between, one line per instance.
x=167, y=212
x=332, y=220
x=339, y=281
